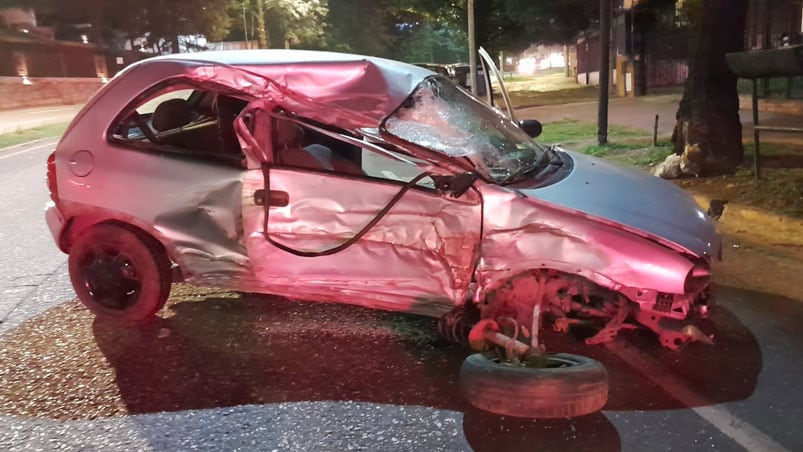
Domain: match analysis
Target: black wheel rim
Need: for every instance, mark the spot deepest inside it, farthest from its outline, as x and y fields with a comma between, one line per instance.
x=111, y=278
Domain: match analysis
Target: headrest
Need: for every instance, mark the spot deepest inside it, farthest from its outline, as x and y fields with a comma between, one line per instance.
x=171, y=114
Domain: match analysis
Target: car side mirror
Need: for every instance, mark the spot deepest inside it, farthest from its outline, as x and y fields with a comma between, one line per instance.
x=531, y=127
x=456, y=185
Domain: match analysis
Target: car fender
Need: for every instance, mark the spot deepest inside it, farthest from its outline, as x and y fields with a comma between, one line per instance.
x=521, y=234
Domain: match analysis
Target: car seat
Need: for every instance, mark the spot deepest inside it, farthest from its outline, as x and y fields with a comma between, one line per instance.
x=171, y=114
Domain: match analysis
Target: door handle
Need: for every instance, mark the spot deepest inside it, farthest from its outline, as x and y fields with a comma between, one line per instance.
x=276, y=198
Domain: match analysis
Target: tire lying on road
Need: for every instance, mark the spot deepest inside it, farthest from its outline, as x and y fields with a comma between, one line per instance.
x=569, y=386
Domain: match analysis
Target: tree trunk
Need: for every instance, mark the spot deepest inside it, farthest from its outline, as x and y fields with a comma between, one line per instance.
x=708, y=133
x=262, y=32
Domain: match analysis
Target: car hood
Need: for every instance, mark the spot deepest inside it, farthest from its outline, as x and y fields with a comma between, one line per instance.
x=633, y=199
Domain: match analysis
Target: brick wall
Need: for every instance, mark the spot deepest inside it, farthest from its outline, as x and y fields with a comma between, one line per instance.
x=46, y=91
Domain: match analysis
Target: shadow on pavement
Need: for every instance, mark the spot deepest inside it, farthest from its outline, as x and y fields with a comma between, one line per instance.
x=260, y=350
x=486, y=432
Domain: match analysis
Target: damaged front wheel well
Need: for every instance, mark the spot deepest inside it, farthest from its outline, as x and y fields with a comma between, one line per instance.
x=78, y=225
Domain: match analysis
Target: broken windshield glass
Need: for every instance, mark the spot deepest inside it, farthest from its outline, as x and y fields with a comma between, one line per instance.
x=442, y=117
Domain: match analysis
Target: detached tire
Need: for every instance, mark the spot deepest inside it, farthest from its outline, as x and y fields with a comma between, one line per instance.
x=119, y=273
x=570, y=386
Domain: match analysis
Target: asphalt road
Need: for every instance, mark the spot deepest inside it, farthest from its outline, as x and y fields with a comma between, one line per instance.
x=741, y=394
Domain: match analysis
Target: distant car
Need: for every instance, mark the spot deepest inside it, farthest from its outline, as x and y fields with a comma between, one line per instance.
x=345, y=178
x=458, y=73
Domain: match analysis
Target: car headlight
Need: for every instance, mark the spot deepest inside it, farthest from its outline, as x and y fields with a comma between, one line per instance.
x=698, y=278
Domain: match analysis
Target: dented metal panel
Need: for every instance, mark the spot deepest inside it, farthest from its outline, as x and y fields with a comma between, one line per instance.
x=349, y=91
x=522, y=233
x=635, y=199
x=418, y=258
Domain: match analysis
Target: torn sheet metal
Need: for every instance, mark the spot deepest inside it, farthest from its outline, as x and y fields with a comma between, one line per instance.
x=348, y=91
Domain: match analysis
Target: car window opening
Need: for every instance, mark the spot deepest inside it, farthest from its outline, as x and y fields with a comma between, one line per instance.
x=186, y=121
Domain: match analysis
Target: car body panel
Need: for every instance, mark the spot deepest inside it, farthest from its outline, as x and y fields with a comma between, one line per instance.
x=522, y=233
x=417, y=258
x=634, y=199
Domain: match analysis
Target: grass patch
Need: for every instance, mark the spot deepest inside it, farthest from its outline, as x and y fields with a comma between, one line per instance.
x=548, y=88
x=610, y=148
x=26, y=135
x=570, y=130
x=780, y=190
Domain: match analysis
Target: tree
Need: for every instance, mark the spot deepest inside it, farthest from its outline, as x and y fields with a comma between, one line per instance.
x=431, y=32
x=513, y=25
x=360, y=26
x=164, y=22
x=161, y=21
x=708, y=131
x=279, y=23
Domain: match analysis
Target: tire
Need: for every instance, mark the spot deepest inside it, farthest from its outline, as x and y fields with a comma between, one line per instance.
x=577, y=389
x=119, y=273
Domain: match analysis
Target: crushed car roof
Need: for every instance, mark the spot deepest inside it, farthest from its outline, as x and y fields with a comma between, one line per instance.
x=371, y=88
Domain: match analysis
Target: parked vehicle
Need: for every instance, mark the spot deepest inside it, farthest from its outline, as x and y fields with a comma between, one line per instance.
x=335, y=177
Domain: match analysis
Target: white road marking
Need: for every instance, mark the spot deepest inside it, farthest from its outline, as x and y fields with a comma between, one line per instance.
x=35, y=148
x=740, y=431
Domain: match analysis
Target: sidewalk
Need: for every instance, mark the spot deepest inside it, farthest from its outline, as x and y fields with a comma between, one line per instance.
x=28, y=118
x=639, y=112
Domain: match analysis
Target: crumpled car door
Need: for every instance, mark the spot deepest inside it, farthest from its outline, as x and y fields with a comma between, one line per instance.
x=419, y=257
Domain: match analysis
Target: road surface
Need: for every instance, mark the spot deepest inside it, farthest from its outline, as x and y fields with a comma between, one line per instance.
x=741, y=394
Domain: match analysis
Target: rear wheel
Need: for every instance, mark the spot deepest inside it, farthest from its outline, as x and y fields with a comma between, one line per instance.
x=119, y=273
x=562, y=385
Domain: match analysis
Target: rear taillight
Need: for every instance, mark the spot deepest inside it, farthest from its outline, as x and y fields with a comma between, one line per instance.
x=51, y=177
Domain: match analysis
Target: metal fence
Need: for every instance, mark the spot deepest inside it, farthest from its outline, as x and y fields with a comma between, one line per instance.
x=666, y=57
x=774, y=88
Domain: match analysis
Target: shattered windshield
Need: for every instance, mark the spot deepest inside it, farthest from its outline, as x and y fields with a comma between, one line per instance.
x=441, y=117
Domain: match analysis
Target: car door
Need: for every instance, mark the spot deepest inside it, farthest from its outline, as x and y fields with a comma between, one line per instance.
x=375, y=232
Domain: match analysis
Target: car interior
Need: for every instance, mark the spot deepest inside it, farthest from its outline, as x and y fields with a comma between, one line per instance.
x=200, y=123
x=295, y=145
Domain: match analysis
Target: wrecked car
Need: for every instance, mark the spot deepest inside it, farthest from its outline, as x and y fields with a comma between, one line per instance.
x=343, y=178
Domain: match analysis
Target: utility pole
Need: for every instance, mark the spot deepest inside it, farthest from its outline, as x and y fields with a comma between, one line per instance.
x=245, y=26
x=472, y=49
x=604, y=70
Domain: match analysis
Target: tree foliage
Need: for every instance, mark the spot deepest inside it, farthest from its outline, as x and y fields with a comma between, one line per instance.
x=412, y=30
x=279, y=23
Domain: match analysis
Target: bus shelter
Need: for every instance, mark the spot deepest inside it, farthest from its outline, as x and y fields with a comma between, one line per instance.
x=760, y=64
